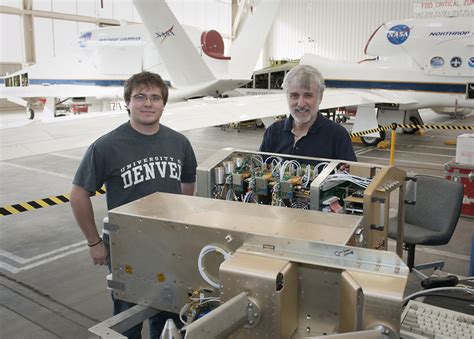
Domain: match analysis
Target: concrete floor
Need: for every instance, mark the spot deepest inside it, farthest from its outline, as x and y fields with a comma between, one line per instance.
x=48, y=285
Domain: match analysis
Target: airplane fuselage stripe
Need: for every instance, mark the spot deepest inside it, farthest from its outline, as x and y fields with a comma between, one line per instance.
x=84, y=82
x=90, y=82
x=397, y=85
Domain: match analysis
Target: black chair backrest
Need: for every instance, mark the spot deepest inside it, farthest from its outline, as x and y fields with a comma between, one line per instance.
x=438, y=206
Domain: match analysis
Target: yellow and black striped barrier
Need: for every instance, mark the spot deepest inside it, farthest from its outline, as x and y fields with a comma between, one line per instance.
x=445, y=127
x=61, y=199
x=395, y=126
x=370, y=131
x=40, y=203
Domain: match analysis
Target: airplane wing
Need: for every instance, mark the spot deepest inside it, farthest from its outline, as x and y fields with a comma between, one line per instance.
x=29, y=138
x=61, y=91
x=334, y=98
x=213, y=112
x=365, y=101
x=62, y=133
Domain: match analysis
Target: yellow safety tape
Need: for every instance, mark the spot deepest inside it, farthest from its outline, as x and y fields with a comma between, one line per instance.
x=40, y=203
x=395, y=126
x=27, y=206
x=10, y=209
x=57, y=201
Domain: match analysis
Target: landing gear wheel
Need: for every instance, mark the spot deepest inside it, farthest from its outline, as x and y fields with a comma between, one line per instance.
x=373, y=141
x=259, y=123
x=413, y=121
x=30, y=114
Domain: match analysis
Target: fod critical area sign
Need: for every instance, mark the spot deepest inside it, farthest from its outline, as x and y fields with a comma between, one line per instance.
x=443, y=8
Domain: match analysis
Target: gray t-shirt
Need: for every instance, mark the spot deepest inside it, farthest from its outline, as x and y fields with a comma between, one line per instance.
x=133, y=165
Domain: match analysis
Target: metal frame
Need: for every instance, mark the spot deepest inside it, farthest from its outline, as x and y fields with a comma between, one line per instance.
x=376, y=201
x=155, y=242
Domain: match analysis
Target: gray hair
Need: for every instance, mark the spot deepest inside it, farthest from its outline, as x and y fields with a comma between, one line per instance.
x=304, y=76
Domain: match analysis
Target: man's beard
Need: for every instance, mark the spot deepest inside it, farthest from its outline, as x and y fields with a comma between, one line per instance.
x=302, y=119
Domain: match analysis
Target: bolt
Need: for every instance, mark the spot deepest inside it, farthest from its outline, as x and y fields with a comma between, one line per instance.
x=255, y=315
x=250, y=322
x=250, y=305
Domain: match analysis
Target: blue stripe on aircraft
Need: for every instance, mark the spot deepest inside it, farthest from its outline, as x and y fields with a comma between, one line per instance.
x=411, y=86
x=85, y=82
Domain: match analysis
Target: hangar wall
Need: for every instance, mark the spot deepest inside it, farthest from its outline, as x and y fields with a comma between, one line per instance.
x=11, y=46
x=337, y=29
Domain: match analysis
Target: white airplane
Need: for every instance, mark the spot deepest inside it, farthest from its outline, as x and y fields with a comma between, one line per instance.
x=418, y=63
x=106, y=57
x=428, y=83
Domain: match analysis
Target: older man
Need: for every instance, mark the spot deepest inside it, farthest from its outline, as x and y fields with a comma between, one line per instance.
x=306, y=132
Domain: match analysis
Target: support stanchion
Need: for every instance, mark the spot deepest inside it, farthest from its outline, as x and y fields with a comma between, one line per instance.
x=392, y=144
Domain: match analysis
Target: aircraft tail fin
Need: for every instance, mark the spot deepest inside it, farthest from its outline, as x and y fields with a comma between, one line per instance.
x=183, y=62
x=246, y=49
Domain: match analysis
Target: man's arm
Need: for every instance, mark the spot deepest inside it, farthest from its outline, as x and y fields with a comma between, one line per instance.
x=346, y=151
x=265, y=145
x=187, y=188
x=84, y=214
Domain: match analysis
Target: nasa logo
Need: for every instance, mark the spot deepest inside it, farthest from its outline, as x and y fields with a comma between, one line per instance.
x=470, y=62
x=83, y=38
x=398, y=34
x=456, y=62
x=165, y=34
x=437, y=62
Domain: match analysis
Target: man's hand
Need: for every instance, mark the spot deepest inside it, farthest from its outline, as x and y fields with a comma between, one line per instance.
x=99, y=254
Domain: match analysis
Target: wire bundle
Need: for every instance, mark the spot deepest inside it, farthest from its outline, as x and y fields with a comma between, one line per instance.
x=345, y=176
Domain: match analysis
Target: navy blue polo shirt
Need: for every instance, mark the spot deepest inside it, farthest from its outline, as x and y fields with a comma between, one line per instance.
x=325, y=139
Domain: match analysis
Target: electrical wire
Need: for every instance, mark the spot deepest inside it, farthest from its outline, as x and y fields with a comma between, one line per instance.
x=257, y=159
x=300, y=205
x=210, y=301
x=202, y=270
x=468, y=300
x=277, y=159
x=288, y=163
x=307, y=176
x=183, y=311
x=438, y=289
x=276, y=166
x=316, y=168
x=249, y=197
x=359, y=181
x=230, y=192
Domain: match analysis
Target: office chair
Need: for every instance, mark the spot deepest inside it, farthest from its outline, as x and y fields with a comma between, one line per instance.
x=432, y=219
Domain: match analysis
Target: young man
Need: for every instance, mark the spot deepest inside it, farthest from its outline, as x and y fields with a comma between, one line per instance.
x=306, y=132
x=136, y=159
